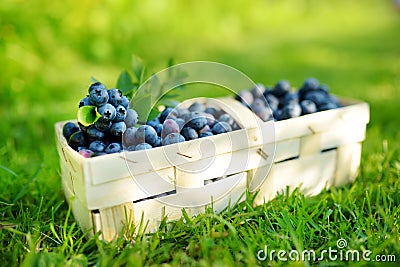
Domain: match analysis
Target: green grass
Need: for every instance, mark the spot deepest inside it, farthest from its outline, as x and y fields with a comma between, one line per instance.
x=50, y=50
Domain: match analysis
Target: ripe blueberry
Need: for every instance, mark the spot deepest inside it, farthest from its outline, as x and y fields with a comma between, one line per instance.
x=120, y=113
x=113, y=148
x=115, y=97
x=142, y=146
x=131, y=118
x=118, y=128
x=97, y=146
x=69, y=128
x=172, y=138
x=221, y=127
x=189, y=133
x=107, y=112
x=98, y=97
x=96, y=85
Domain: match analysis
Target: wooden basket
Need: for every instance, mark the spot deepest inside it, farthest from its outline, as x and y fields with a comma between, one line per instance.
x=313, y=152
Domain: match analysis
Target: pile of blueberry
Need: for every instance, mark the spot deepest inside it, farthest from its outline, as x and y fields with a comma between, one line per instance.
x=116, y=130
x=174, y=125
x=285, y=102
x=104, y=135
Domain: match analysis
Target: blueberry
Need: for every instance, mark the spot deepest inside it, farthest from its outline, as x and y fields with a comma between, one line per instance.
x=77, y=139
x=146, y=134
x=281, y=88
x=172, y=138
x=221, y=127
x=206, y=128
x=323, y=87
x=118, y=128
x=96, y=85
x=180, y=122
x=292, y=110
x=197, y=107
x=272, y=100
x=142, y=146
x=205, y=134
x=158, y=142
x=245, y=97
x=120, y=113
x=169, y=126
x=189, y=133
x=307, y=107
x=69, y=128
x=289, y=98
x=154, y=122
x=85, y=102
x=197, y=121
x=164, y=114
x=129, y=137
x=158, y=128
x=226, y=118
x=318, y=97
x=107, y=112
x=98, y=97
x=93, y=133
x=333, y=99
x=310, y=84
x=102, y=125
x=125, y=102
x=131, y=118
x=151, y=135
x=115, y=97
x=326, y=106
x=212, y=111
x=260, y=108
x=258, y=90
x=87, y=153
x=210, y=119
x=97, y=146
x=113, y=148
x=277, y=114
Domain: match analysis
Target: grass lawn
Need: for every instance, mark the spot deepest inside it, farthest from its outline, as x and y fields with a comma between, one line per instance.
x=49, y=51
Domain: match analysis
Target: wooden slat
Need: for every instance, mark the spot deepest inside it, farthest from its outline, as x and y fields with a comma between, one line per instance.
x=194, y=174
x=129, y=189
x=311, y=173
x=348, y=162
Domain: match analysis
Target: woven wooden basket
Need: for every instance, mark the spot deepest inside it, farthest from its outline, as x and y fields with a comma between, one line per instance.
x=313, y=152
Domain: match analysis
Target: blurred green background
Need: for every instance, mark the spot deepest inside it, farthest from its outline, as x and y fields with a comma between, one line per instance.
x=50, y=49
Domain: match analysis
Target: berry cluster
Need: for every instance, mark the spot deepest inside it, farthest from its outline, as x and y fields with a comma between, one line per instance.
x=174, y=125
x=115, y=130
x=104, y=135
x=285, y=103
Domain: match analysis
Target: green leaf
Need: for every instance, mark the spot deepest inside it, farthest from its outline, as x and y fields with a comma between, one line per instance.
x=125, y=83
x=88, y=115
x=153, y=113
x=94, y=80
x=138, y=68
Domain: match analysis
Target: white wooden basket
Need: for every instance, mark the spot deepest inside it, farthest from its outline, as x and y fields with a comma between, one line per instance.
x=313, y=152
